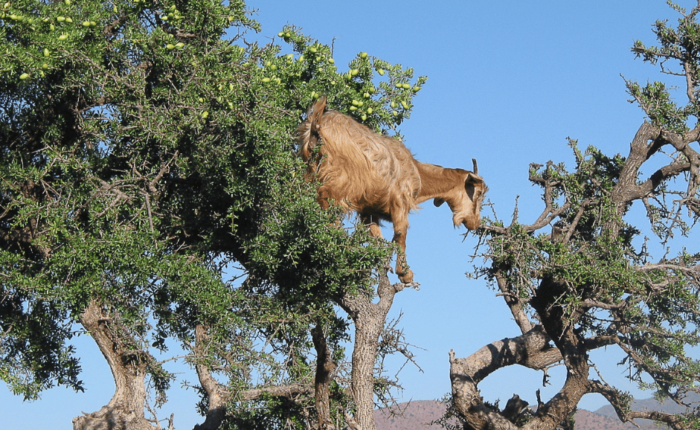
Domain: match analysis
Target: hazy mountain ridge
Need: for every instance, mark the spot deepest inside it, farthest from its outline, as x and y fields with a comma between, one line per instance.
x=417, y=415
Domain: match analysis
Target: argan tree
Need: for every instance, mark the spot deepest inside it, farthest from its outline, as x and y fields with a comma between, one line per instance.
x=145, y=151
x=580, y=277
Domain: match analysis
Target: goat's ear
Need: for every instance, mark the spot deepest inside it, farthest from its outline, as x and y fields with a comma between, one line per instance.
x=473, y=178
x=438, y=202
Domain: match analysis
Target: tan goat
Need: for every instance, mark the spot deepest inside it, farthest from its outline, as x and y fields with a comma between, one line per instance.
x=377, y=177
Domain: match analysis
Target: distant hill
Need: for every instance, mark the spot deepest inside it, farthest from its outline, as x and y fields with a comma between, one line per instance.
x=410, y=416
x=587, y=420
x=417, y=415
x=649, y=404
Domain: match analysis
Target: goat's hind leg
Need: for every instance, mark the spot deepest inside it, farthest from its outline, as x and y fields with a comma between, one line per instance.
x=373, y=223
x=375, y=230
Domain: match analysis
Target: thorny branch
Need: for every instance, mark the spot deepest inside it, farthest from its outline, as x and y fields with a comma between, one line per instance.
x=570, y=309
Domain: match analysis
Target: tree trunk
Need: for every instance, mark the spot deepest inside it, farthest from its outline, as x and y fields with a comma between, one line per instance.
x=531, y=350
x=324, y=369
x=217, y=401
x=367, y=329
x=126, y=409
x=369, y=319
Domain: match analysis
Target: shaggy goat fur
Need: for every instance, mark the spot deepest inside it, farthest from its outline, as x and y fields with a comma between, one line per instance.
x=377, y=176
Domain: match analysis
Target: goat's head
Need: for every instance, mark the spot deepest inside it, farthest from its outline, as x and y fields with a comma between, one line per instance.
x=465, y=202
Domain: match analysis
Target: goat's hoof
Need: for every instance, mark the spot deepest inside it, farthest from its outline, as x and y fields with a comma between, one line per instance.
x=414, y=285
x=405, y=277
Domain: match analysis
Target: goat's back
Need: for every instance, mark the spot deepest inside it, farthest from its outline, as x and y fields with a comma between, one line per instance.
x=361, y=169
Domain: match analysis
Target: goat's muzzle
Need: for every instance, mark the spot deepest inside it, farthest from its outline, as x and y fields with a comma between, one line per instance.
x=472, y=223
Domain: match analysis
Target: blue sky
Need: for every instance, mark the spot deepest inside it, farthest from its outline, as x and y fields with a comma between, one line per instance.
x=508, y=82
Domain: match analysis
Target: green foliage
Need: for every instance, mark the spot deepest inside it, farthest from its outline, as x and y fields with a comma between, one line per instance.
x=270, y=413
x=144, y=152
x=681, y=45
x=590, y=280
x=36, y=356
x=662, y=110
x=605, y=277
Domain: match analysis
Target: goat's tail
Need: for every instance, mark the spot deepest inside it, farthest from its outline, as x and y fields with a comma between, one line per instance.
x=308, y=131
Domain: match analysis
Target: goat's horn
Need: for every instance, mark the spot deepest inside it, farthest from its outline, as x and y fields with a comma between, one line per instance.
x=476, y=168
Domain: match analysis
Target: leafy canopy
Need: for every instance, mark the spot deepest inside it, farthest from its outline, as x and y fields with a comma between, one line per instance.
x=144, y=149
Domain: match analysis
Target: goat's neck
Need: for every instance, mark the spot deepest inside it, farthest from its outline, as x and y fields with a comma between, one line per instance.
x=437, y=181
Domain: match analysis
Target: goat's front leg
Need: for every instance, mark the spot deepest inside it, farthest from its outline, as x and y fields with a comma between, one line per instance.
x=400, y=229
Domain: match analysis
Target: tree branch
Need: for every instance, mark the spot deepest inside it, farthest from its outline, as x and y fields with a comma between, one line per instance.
x=514, y=303
x=620, y=402
x=530, y=350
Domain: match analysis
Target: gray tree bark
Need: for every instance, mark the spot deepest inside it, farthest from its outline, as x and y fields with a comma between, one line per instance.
x=369, y=319
x=324, y=371
x=217, y=400
x=125, y=411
